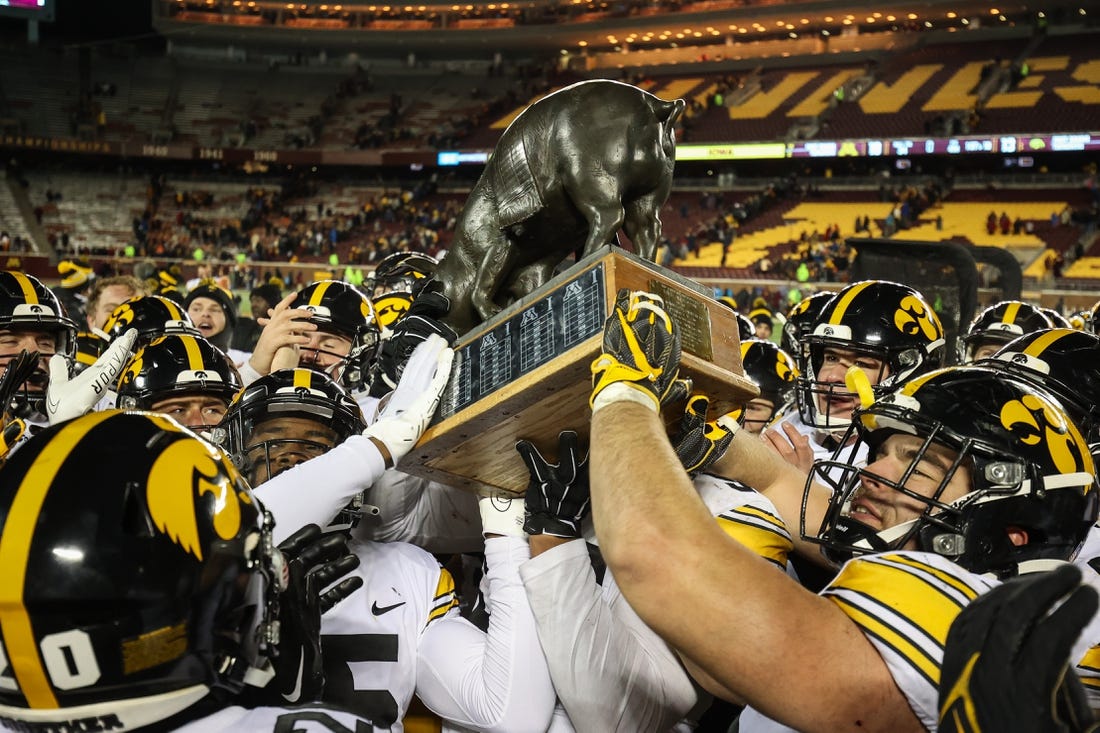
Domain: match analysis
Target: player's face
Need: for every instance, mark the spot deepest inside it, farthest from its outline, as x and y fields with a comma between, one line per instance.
x=985, y=350
x=110, y=298
x=280, y=443
x=757, y=414
x=881, y=507
x=13, y=342
x=208, y=316
x=839, y=402
x=325, y=352
x=196, y=411
x=763, y=330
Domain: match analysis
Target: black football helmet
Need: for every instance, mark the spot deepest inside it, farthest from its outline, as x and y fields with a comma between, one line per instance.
x=1000, y=323
x=773, y=371
x=89, y=347
x=1057, y=320
x=1064, y=362
x=1029, y=468
x=139, y=574
x=876, y=319
x=28, y=305
x=152, y=316
x=339, y=308
x=289, y=393
x=173, y=366
x=801, y=319
x=401, y=271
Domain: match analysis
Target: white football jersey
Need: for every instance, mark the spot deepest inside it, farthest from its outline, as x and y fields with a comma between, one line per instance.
x=904, y=603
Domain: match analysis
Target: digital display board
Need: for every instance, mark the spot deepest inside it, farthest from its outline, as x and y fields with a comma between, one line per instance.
x=895, y=147
x=30, y=9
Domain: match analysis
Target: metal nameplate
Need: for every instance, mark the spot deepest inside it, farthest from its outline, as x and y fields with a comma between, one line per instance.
x=693, y=317
x=545, y=329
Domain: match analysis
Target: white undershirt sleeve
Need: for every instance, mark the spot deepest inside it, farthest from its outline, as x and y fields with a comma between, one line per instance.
x=495, y=681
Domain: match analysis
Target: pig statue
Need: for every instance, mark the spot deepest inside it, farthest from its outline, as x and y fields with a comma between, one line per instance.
x=567, y=174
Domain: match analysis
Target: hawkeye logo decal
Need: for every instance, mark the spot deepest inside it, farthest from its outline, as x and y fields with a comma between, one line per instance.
x=912, y=317
x=784, y=368
x=121, y=317
x=1034, y=421
x=390, y=308
x=179, y=477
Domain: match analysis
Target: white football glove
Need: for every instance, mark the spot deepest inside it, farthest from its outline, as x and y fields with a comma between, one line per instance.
x=66, y=399
x=412, y=404
x=502, y=515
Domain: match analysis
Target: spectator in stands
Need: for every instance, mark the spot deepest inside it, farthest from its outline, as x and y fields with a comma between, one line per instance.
x=214, y=312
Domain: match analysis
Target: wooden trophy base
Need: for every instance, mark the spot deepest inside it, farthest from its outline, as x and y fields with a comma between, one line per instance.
x=525, y=372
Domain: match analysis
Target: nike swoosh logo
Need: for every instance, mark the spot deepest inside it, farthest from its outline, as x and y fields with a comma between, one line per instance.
x=379, y=610
x=297, y=691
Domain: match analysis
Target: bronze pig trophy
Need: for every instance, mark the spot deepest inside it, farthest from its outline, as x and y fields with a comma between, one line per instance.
x=567, y=174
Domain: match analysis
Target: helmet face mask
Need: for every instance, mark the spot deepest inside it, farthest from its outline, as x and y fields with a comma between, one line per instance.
x=286, y=418
x=401, y=271
x=29, y=308
x=976, y=459
x=163, y=582
x=891, y=328
x=338, y=309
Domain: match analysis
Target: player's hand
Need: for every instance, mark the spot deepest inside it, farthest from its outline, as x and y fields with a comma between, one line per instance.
x=285, y=331
x=412, y=329
x=791, y=445
x=557, y=497
x=66, y=399
x=412, y=404
x=699, y=443
x=1006, y=662
x=641, y=353
x=313, y=562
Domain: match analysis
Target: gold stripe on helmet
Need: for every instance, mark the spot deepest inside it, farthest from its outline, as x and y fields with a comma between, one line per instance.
x=173, y=310
x=1044, y=340
x=194, y=355
x=28, y=289
x=319, y=293
x=1011, y=312
x=15, y=547
x=844, y=302
x=302, y=378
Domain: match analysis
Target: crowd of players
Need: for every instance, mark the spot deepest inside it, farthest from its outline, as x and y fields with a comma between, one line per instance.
x=202, y=538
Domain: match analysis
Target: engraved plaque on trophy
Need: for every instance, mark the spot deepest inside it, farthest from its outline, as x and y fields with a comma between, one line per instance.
x=525, y=372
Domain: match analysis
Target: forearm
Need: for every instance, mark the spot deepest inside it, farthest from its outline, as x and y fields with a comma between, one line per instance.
x=668, y=554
